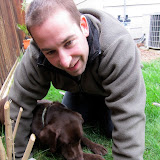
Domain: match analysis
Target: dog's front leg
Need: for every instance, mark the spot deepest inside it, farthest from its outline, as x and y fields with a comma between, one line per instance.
x=88, y=156
x=94, y=147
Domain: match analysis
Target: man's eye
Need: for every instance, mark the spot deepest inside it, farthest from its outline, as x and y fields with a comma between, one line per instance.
x=50, y=52
x=68, y=43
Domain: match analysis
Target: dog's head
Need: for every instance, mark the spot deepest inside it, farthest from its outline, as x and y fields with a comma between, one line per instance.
x=63, y=128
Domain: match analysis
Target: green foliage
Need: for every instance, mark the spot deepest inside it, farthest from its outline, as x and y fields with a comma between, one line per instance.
x=24, y=4
x=54, y=94
x=23, y=28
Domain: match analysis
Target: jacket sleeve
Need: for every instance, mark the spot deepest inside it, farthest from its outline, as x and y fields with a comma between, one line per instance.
x=30, y=84
x=124, y=85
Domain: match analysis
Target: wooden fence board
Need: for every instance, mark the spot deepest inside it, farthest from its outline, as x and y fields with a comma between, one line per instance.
x=10, y=36
x=5, y=31
x=3, y=67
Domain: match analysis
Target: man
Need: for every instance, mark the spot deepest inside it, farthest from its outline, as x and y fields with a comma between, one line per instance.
x=90, y=55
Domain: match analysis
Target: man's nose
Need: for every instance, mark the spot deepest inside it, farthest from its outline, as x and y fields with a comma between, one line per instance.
x=64, y=59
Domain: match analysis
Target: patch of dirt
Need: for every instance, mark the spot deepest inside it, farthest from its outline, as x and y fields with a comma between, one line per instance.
x=149, y=54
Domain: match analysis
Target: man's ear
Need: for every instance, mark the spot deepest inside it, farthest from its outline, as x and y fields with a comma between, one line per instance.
x=84, y=25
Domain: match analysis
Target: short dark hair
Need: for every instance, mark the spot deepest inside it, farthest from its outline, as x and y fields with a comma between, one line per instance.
x=39, y=10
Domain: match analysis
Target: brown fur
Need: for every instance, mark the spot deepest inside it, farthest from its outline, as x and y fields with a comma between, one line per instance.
x=62, y=129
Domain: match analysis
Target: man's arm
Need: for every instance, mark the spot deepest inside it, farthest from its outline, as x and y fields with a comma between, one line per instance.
x=126, y=95
x=30, y=84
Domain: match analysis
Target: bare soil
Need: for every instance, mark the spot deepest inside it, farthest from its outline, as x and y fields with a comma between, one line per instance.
x=149, y=54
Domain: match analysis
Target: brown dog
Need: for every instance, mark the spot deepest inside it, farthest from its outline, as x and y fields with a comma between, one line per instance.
x=59, y=127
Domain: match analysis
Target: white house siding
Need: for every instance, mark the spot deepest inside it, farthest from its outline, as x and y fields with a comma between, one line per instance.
x=97, y=4
x=138, y=12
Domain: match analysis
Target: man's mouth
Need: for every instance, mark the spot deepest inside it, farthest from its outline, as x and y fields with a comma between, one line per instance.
x=74, y=67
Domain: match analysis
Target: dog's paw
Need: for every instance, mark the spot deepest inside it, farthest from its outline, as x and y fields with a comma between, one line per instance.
x=94, y=147
x=88, y=156
x=98, y=149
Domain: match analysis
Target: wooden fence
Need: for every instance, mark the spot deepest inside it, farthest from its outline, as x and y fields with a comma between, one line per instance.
x=10, y=36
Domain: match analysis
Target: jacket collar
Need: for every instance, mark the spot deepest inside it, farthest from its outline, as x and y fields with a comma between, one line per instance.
x=94, y=49
x=93, y=42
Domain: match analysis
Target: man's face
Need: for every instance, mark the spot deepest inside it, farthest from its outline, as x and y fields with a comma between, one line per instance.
x=63, y=42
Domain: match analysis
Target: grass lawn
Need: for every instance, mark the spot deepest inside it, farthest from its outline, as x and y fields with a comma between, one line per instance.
x=151, y=73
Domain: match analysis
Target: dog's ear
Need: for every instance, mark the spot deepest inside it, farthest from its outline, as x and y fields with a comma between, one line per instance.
x=49, y=136
x=80, y=117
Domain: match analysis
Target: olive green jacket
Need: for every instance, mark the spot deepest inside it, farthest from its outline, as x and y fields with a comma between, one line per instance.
x=113, y=71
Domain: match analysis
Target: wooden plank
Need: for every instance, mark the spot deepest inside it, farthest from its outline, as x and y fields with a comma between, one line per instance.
x=4, y=38
x=5, y=88
x=11, y=37
x=15, y=42
x=3, y=70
